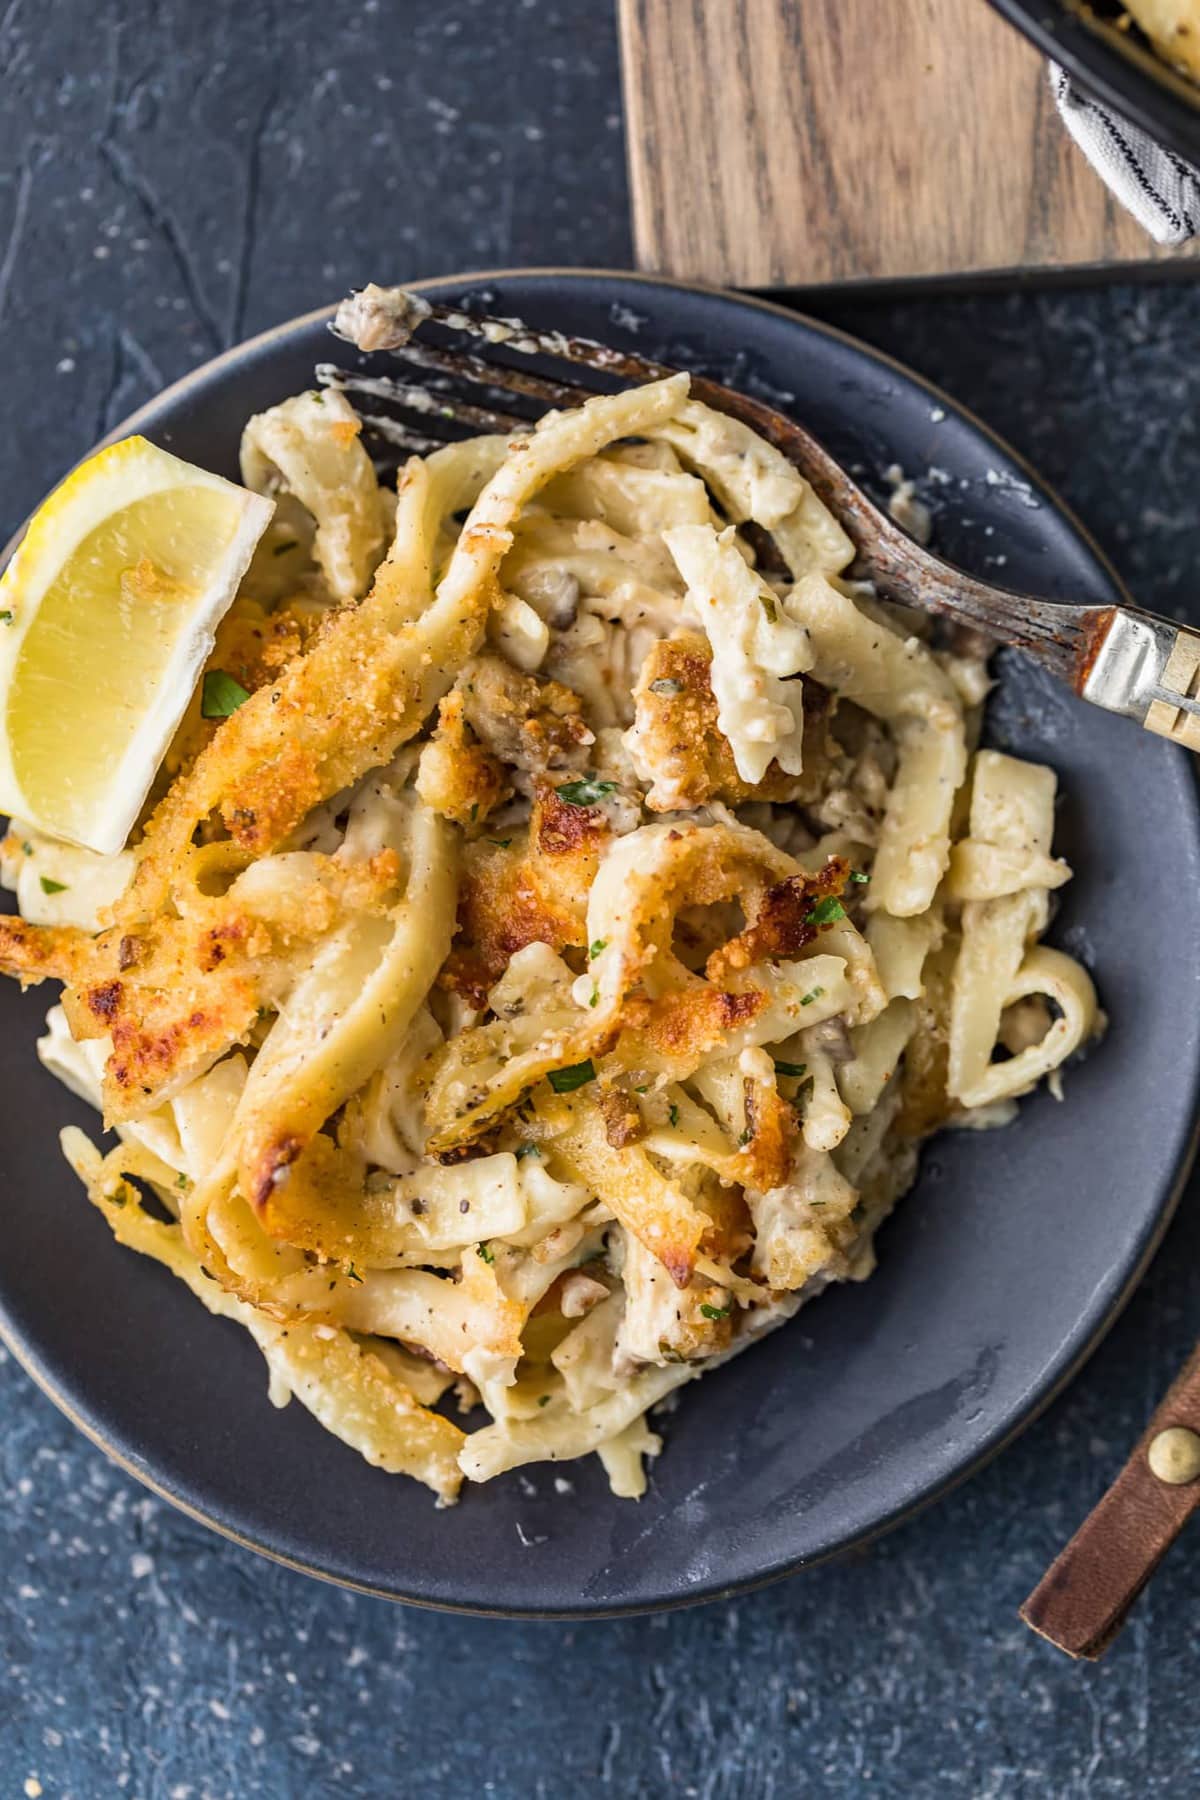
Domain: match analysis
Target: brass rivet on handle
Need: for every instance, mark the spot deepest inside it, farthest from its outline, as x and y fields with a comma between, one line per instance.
x=1174, y=1456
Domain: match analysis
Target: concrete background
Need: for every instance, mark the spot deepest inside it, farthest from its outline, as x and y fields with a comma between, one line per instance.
x=172, y=178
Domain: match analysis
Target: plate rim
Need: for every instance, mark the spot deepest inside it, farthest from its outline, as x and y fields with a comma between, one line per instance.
x=26, y=1357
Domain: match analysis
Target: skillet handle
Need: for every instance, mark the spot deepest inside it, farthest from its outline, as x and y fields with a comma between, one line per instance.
x=1081, y=1602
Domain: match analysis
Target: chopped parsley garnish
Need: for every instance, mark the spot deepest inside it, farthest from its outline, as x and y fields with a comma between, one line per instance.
x=595, y=999
x=474, y=812
x=543, y=1399
x=486, y=1251
x=666, y=685
x=667, y=1353
x=813, y=994
x=6, y=617
x=500, y=843
x=595, y=949
x=317, y=395
x=27, y=847
x=769, y=607
x=644, y=1089
x=524, y=1150
x=565, y=1081
x=673, y=1114
x=825, y=911
x=282, y=549
x=857, y=875
x=222, y=695
x=181, y=1181
x=787, y=1068
x=714, y=1312
x=52, y=887
x=586, y=792
x=745, y=1137
x=352, y=1274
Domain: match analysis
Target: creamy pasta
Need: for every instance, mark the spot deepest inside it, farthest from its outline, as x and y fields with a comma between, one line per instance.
x=1173, y=27
x=539, y=987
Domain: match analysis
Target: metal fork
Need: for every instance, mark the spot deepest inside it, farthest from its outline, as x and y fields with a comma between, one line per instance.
x=1129, y=661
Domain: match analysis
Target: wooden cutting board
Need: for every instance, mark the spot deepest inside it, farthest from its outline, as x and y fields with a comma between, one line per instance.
x=793, y=142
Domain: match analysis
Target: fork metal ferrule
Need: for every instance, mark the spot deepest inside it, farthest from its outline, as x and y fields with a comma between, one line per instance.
x=1149, y=670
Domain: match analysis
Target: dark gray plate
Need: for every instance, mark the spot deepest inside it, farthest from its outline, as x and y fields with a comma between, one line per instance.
x=998, y=1274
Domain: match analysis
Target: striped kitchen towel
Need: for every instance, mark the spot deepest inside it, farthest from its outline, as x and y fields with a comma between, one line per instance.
x=1158, y=187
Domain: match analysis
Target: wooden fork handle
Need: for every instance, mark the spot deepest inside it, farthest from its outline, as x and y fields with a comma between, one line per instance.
x=1181, y=675
x=1081, y=1602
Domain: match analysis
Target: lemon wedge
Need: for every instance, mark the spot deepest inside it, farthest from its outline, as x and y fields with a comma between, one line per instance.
x=108, y=612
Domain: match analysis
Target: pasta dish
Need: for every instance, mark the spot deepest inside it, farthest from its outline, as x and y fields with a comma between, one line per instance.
x=1173, y=28
x=566, y=905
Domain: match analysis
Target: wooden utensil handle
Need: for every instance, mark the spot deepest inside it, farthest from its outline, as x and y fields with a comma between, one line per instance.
x=1181, y=675
x=1081, y=1602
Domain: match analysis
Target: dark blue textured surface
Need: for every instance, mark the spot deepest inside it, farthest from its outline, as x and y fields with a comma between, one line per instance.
x=171, y=177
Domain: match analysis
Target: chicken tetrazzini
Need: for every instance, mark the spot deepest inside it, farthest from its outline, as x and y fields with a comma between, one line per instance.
x=541, y=984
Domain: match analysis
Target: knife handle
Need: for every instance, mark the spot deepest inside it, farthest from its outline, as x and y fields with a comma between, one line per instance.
x=1081, y=1602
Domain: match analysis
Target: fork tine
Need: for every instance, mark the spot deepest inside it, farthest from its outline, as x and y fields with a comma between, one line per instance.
x=411, y=397
x=398, y=436
x=378, y=318
x=465, y=365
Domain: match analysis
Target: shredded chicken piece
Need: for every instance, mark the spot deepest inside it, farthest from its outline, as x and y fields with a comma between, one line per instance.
x=623, y=1123
x=785, y=923
x=529, y=889
x=457, y=776
x=663, y=1322
x=677, y=747
x=530, y=724
x=578, y=1294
